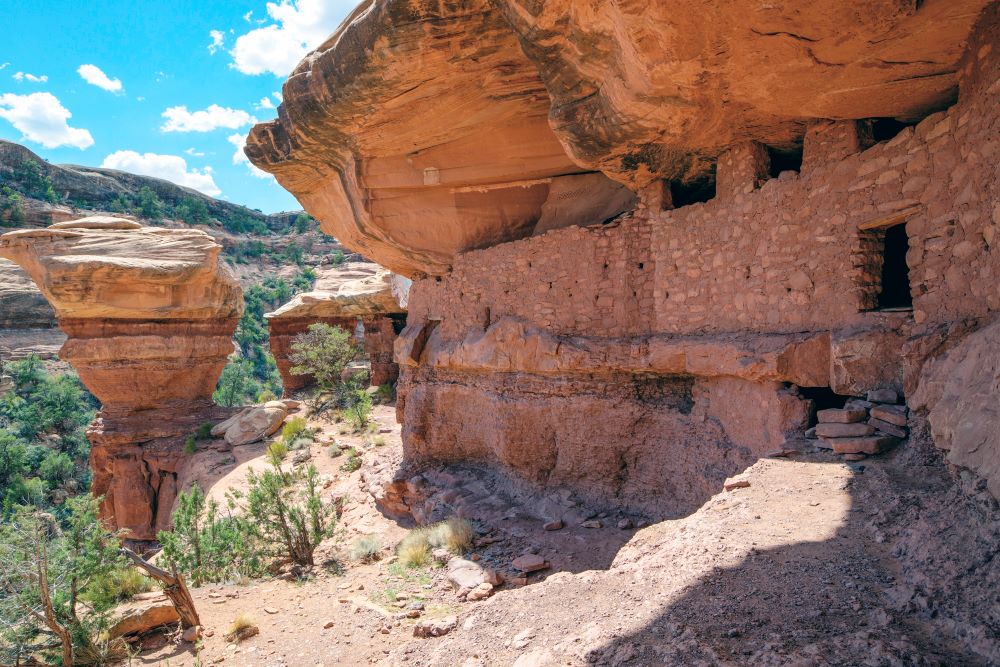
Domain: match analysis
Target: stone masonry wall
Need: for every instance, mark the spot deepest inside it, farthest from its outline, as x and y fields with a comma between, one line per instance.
x=535, y=354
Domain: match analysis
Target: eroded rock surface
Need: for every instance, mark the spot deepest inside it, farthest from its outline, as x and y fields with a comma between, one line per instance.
x=27, y=321
x=420, y=129
x=149, y=314
x=343, y=296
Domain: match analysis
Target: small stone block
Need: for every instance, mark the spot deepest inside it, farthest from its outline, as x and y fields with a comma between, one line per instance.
x=844, y=416
x=894, y=414
x=883, y=396
x=874, y=444
x=888, y=429
x=731, y=484
x=529, y=563
x=855, y=430
x=858, y=404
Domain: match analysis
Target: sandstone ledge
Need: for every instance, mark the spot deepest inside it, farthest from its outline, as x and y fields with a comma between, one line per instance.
x=511, y=346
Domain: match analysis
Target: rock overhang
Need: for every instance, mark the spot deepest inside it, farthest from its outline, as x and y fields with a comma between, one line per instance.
x=420, y=130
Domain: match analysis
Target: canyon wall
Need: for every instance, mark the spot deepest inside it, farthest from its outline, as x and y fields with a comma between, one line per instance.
x=149, y=314
x=357, y=292
x=817, y=218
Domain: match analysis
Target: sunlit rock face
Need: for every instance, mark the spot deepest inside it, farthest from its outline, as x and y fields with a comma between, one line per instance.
x=149, y=314
x=344, y=296
x=776, y=151
x=423, y=129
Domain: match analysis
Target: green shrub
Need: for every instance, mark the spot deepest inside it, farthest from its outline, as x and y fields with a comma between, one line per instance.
x=116, y=586
x=276, y=452
x=353, y=461
x=358, y=409
x=385, y=393
x=293, y=428
x=190, y=445
x=204, y=431
x=323, y=352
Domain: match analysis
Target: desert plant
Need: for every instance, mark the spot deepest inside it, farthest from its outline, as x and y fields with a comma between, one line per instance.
x=323, y=352
x=385, y=393
x=117, y=586
x=414, y=550
x=353, y=461
x=204, y=431
x=286, y=514
x=190, y=445
x=366, y=548
x=455, y=534
x=276, y=453
x=358, y=409
x=378, y=441
x=243, y=627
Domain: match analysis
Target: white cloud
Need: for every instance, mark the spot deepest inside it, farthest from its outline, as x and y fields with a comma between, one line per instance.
x=265, y=103
x=93, y=75
x=41, y=118
x=278, y=96
x=248, y=16
x=4, y=66
x=179, y=119
x=299, y=26
x=24, y=76
x=218, y=37
x=194, y=153
x=172, y=168
x=239, y=157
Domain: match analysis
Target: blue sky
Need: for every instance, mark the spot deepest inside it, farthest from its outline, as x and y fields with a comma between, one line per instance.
x=168, y=88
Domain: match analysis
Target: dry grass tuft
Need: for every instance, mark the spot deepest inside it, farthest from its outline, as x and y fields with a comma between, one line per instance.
x=242, y=627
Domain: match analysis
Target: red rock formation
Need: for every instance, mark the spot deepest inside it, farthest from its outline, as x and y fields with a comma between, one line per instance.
x=343, y=296
x=644, y=360
x=420, y=129
x=149, y=314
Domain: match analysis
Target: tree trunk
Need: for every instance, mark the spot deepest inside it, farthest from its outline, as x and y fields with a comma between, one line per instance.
x=173, y=587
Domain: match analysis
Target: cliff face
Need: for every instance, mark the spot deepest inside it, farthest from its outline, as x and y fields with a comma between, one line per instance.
x=421, y=130
x=816, y=220
x=343, y=296
x=149, y=314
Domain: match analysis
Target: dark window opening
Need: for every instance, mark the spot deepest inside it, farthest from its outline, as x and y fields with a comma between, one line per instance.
x=692, y=192
x=398, y=322
x=895, y=292
x=784, y=160
x=884, y=129
x=823, y=398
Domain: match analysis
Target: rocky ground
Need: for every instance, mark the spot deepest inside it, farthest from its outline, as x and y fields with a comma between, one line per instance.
x=814, y=561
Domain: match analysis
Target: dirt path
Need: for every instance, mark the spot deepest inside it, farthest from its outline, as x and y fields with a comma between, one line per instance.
x=816, y=562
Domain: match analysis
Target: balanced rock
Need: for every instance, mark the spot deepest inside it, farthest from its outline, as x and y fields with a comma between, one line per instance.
x=149, y=314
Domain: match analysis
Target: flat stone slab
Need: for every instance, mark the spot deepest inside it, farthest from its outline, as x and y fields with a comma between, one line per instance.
x=875, y=444
x=529, y=563
x=834, y=430
x=845, y=416
x=894, y=414
x=888, y=429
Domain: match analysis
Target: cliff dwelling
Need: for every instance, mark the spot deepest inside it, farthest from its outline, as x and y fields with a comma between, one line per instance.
x=701, y=300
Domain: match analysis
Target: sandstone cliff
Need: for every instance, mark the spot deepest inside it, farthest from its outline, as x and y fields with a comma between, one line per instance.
x=150, y=314
x=420, y=130
x=343, y=296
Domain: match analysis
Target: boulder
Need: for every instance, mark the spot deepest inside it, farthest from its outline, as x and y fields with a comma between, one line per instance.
x=960, y=392
x=435, y=627
x=465, y=574
x=256, y=423
x=141, y=616
x=149, y=314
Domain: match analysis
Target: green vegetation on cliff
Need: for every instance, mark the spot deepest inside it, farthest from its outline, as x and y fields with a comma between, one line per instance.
x=43, y=443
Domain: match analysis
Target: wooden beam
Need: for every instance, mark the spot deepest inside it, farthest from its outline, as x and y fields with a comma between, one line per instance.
x=892, y=219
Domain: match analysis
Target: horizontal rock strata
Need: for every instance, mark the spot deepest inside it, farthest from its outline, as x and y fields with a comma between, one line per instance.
x=420, y=130
x=816, y=219
x=343, y=297
x=149, y=314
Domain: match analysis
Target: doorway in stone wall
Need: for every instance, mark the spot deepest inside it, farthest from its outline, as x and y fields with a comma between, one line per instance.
x=894, y=293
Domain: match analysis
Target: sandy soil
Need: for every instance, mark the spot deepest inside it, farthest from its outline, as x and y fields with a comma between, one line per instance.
x=889, y=561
